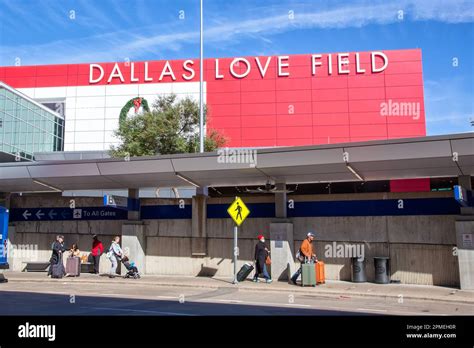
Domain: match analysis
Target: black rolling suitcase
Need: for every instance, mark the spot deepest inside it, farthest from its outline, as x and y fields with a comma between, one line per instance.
x=57, y=270
x=244, y=272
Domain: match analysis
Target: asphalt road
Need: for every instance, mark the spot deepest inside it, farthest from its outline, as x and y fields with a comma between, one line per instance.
x=62, y=298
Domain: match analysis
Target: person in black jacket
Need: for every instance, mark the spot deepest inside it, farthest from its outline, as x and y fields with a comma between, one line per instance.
x=261, y=254
x=56, y=260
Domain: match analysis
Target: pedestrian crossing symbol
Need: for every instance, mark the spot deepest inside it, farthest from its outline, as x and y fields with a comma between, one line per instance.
x=238, y=211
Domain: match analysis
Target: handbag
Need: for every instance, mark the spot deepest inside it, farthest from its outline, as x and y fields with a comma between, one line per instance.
x=299, y=256
x=268, y=260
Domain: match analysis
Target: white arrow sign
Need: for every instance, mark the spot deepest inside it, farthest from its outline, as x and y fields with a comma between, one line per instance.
x=26, y=215
x=39, y=214
x=51, y=214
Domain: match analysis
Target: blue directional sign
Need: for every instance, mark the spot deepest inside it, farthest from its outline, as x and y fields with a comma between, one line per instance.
x=55, y=214
x=3, y=237
x=462, y=196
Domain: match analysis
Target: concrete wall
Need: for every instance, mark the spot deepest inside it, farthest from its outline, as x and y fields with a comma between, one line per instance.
x=420, y=247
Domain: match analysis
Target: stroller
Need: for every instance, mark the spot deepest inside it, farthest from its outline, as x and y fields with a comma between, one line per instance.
x=131, y=268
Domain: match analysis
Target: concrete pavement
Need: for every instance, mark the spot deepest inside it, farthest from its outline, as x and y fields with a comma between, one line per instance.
x=63, y=297
x=332, y=289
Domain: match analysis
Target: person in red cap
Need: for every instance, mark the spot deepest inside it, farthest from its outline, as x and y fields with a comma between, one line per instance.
x=261, y=253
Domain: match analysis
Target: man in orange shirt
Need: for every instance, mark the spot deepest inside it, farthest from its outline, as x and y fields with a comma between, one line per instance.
x=306, y=254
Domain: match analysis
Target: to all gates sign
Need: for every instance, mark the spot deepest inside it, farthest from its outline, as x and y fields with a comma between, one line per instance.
x=55, y=214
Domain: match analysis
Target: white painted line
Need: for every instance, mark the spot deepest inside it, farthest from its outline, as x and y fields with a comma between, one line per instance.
x=137, y=310
x=273, y=304
x=169, y=297
x=231, y=301
x=371, y=310
x=297, y=305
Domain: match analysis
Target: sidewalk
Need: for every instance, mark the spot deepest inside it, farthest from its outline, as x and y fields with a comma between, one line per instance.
x=340, y=289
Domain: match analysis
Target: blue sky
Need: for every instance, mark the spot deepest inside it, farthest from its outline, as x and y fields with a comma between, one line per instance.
x=81, y=31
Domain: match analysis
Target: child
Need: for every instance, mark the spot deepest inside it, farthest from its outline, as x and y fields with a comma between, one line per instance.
x=131, y=268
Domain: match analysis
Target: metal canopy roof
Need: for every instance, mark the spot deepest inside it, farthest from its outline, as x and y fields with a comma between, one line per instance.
x=374, y=160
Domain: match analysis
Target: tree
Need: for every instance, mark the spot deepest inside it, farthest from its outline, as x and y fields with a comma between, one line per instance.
x=170, y=127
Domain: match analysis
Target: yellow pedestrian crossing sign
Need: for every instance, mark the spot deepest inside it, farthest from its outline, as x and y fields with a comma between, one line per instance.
x=238, y=211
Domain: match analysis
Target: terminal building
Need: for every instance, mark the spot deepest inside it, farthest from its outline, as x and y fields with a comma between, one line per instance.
x=341, y=150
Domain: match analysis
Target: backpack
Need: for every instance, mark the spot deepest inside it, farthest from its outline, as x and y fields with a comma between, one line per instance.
x=299, y=256
x=110, y=252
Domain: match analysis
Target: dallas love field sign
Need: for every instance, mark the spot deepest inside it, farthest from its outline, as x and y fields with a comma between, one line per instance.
x=241, y=67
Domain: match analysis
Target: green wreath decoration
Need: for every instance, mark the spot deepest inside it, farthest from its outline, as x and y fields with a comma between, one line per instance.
x=130, y=104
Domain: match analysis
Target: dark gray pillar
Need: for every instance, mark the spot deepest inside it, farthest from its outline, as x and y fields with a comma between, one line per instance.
x=465, y=181
x=134, y=194
x=280, y=201
x=199, y=223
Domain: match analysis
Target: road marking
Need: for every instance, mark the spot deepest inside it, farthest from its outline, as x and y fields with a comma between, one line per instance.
x=371, y=310
x=297, y=305
x=137, y=310
x=254, y=303
x=169, y=297
x=231, y=301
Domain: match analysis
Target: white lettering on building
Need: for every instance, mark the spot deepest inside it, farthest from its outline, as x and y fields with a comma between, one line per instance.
x=241, y=67
x=218, y=76
x=342, y=59
x=282, y=65
x=263, y=70
x=115, y=73
x=385, y=63
x=237, y=61
x=91, y=73
x=132, y=73
x=186, y=66
x=167, y=71
x=147, y=77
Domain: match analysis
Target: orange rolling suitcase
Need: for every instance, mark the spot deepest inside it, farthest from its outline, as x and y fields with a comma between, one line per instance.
x=320, y=274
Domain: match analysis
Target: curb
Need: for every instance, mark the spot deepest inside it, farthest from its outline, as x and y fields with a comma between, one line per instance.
x=325, y=294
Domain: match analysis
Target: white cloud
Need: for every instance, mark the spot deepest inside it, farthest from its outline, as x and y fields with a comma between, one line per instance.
x=449, y=106
x=119, y=44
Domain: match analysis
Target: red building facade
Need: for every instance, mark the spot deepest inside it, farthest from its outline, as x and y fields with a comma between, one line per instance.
x=285, y=100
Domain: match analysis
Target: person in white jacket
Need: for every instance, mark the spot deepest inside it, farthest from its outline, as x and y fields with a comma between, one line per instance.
x=114, y=254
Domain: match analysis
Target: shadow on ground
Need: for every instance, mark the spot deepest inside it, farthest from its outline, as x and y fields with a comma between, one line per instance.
x=27, y=303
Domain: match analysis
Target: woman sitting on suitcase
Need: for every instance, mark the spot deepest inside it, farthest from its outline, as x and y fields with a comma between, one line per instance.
x=261, y=254
x=74, y=251
x=73, y=262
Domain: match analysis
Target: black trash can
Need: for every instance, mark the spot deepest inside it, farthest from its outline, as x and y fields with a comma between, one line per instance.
x=358, y=270
x=382, y=270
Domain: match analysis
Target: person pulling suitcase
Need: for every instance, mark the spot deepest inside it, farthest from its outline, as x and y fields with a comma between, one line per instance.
x=262, y=256
x=305, y=255
x=56, y=268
